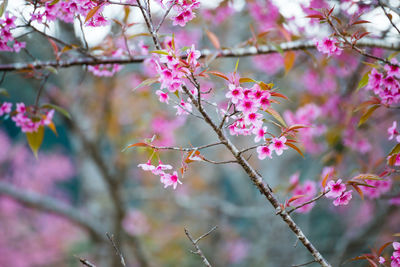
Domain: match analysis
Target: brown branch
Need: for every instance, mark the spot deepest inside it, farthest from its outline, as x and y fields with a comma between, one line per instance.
x=117, y=251
x=49, y=204
x=232, y=52
x=198, y=250
x=387, y=15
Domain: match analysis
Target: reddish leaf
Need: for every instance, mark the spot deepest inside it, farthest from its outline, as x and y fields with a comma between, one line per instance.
x=277, y=116
x=315, y=16
x=296, y=127
x=359, y=191
x=247, y=80
x=288, y=60
x=383, y=247
x=323, y=183
x=368, y=114
x=295, y=148
x=295, y=198
x=276, y=94
x=214, y=39
x=395, y=150
x=92, y=12
x=367, y=176
x=361, y=22
x=219, y=74
x=55, y=47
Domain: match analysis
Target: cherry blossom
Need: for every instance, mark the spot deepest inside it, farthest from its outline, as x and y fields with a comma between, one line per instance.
x=336, y=189
x=260, y=133
x=263, y=152
x=170, y=180
x=278, y=145
x=147, y=166
x=392, y=131
x=159, y=170
x=343, y=199
x=5, y=108
x=328, y=46
x=163, y=97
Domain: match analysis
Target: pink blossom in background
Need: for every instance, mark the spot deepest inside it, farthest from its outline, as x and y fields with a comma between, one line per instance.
x=380, y=187
x=269, y=64
x=135, y=223
x=236, y=250
x=264, y=13
x=307, y=190
x=105, y=70
x=392, y=131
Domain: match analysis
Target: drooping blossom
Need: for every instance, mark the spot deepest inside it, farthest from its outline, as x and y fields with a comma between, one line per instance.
x=147, y=166
x=159, y=170
x=170, y=180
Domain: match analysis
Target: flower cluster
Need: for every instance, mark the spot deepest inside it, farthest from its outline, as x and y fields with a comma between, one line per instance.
x=173, y=72
x=338, y=191
x=68, y=10
x=307, y=115
x=106, y=70
x=184, y=10
x=392, y=131
x=7, y=41
x=168, y=179
x=25, y=117
x=328, y=46
x=305, y=192
x=386, y=84
x=396, y=255
x=379, y=187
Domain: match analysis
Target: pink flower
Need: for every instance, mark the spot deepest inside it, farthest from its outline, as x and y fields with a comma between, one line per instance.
x=159, y=170
x=259, y=132
x=382, y=260
x=247, y=106
x=163, y=97
x=170, y=180
x=263, y=152
x=48, y=117
x=8, y=22
x=192, y=56
x=393, y=70
x=254, y=119
x=5, y=108
x=392, y=131
x=183, y=108
x=21, y=108
x=328, y=46
x=278, y=145
x=344, y=199
x=336, y=189
x=235, y=93
x=147, y=166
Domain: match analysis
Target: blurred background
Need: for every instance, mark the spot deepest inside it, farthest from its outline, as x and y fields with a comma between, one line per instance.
x=83, y=169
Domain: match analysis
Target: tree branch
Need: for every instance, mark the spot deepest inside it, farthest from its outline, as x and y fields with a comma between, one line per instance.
x=232, y=52
x=54, y=206
x=198, y=250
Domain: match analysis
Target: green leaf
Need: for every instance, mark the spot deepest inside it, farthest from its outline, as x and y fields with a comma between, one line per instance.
x=279, y=49
x=146, y=82
x=54, y=2
x=364, y=81
x=395, y=150
x=393, y=55
x=237, y=65
x=35, y=140
x=367, y=114
x=4, y=92
x=3, y=7
x=58, y=109
x=162, y=52
x=276, y=115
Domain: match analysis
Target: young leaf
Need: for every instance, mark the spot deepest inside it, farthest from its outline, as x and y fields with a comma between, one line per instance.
x=277, y=116
x=367, y=176
x=237, y=65
x=58, y=109
x=288, y=60
x=295, y=148
x=295, y=198
x=367, y=114
x=383, y=247
x=247, y=80
x=135, y=145
x=146, y=82
x=4, y=92
x=214, y=39
x=92, y=12
x=161, y=52
x=323, y=183
x=3, y=7
x=359, y=191
x=364, y=81
x=276, y=94
x=219, y=74
x=35, y=139
x=395, y=150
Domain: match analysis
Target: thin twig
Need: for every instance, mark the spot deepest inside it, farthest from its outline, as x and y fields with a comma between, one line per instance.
x=117, y=251
x=198, y=250
x=304, y=264
x=86, y=262
x=164, y=17
x=185, y=148
x=387, y=15
x=309, y=202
